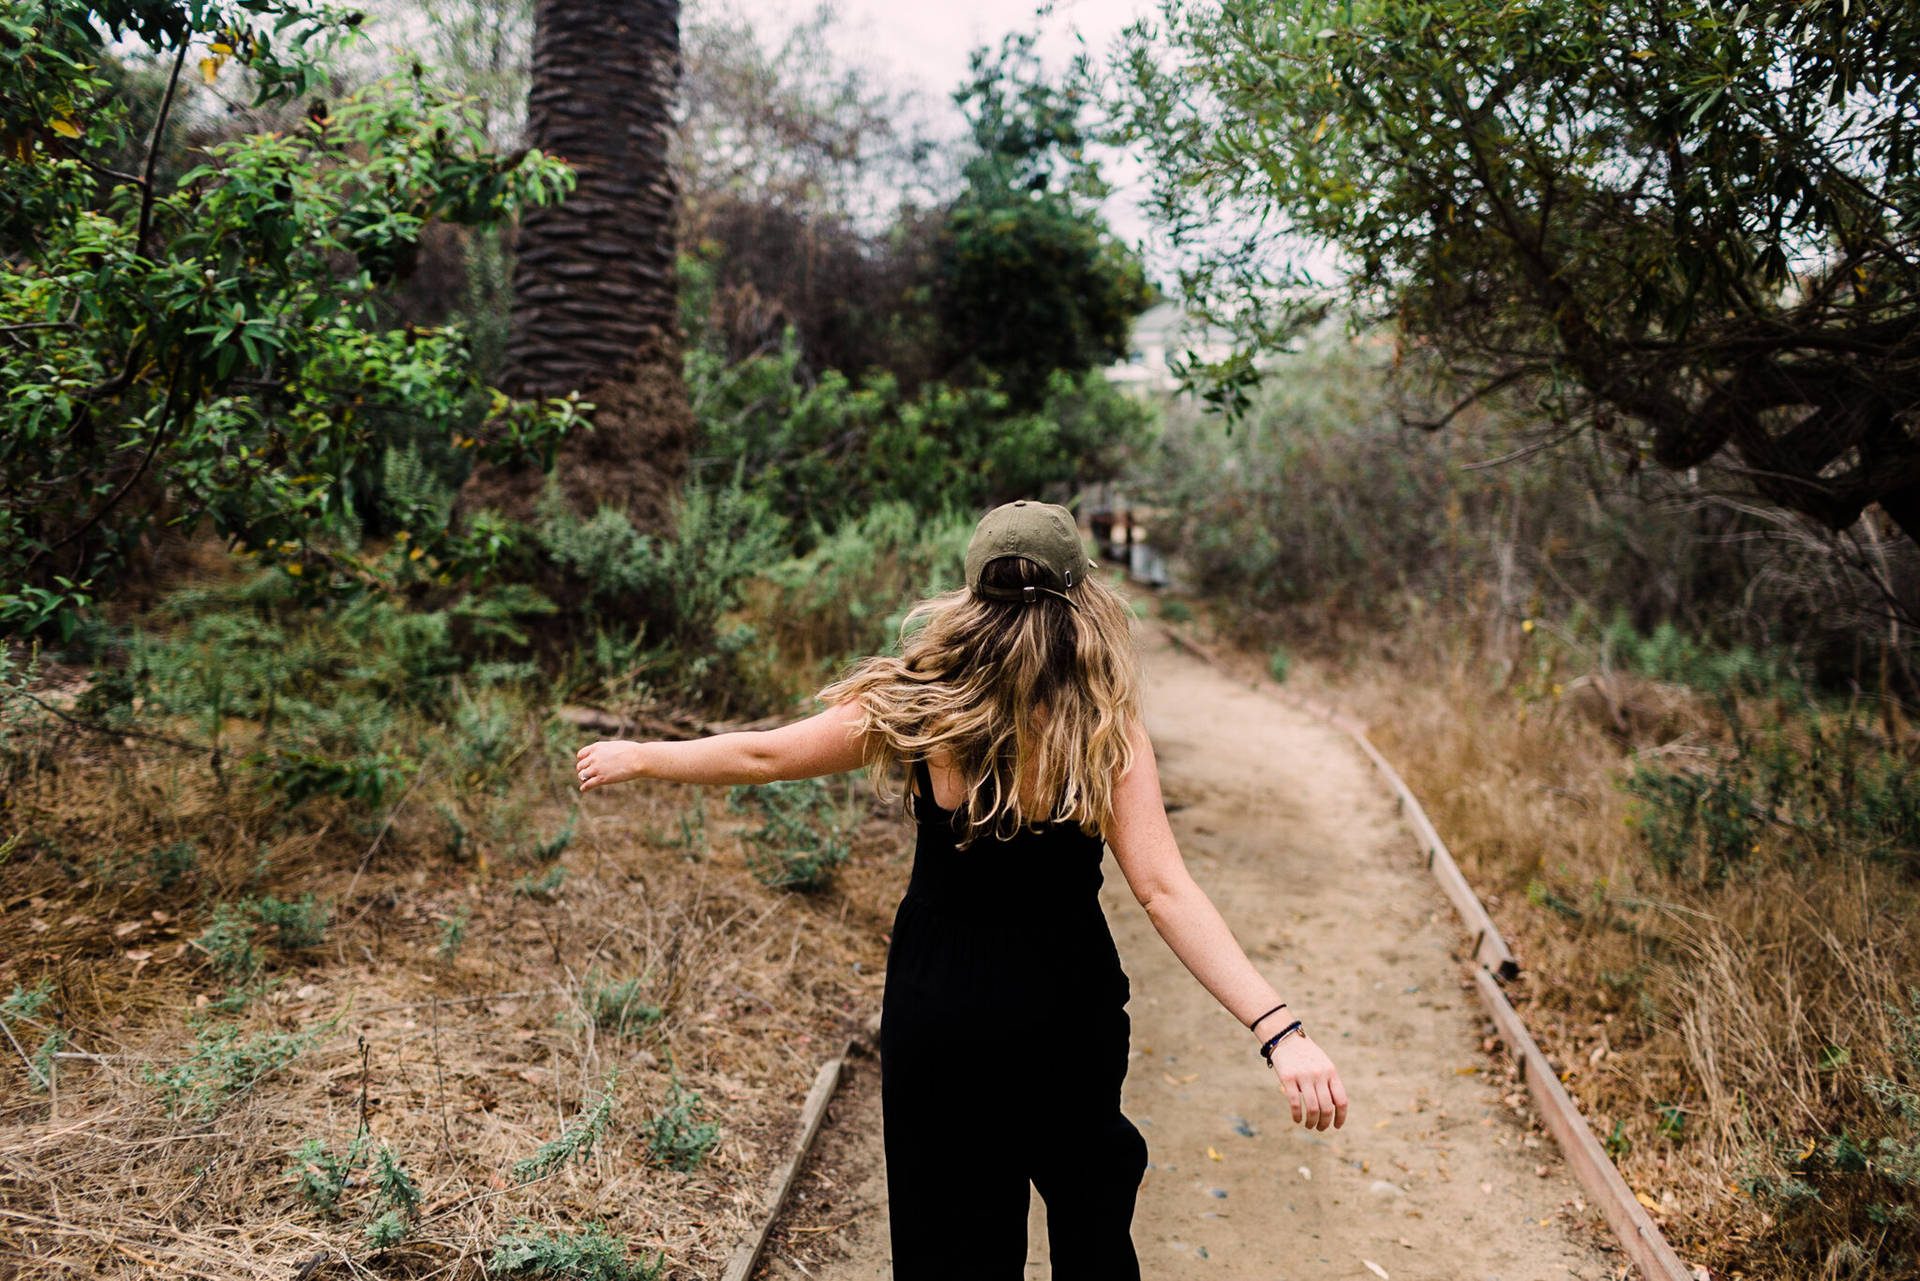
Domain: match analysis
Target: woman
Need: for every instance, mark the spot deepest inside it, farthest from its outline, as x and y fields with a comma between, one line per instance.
x=1013, y=712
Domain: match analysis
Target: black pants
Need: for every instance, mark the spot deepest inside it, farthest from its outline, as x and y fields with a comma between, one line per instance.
x=998, y=1069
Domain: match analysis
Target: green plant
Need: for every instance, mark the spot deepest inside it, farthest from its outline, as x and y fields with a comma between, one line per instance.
x=294, y=925
x=27, y=1002
x=588, y=1255
x=617, y=1007
x=224, y=1066
x=320, y=1176
x=227, y=942
x=575, y=1142
x=392, y=1185
x=201, y=341
x=387, y=1231
x=675, y=1137
x=1279, y=664
x=453, y=933
x=803, y=835
x=543, y=887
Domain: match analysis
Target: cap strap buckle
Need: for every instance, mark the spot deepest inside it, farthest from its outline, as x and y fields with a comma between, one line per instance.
x=1029, y=594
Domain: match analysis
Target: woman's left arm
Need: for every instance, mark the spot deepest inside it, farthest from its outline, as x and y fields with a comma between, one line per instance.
x=828, y=743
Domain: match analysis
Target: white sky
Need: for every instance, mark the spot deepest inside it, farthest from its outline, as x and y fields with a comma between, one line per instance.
x=924, y=45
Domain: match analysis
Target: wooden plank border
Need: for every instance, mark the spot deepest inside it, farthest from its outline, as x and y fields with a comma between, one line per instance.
x=1639, y=1236
x=812, y=1113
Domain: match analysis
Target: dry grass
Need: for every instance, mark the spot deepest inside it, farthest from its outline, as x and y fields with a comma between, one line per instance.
x=463, y=1064
x=1689, y=1019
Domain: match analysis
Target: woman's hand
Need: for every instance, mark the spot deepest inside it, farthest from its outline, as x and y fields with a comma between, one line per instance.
x=610, y=761
x=1311, y=1083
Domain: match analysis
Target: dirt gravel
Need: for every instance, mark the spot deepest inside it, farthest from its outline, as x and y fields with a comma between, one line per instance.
x=1440, y=1171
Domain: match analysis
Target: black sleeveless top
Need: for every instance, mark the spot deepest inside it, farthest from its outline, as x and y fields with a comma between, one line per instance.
x=1043, y=868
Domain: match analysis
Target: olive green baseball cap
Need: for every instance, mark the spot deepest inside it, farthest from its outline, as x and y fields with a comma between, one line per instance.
x=1043, y=533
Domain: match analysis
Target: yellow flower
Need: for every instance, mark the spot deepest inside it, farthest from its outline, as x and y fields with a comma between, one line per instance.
x=1526, y=625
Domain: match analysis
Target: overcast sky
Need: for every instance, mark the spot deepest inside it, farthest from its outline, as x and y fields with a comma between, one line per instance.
x=924, y=46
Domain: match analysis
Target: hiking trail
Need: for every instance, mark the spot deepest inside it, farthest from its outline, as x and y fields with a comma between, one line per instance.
x=1286, y=827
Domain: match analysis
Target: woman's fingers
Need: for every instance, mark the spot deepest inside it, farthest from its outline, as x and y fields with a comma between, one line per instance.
x=1339, y=1092
x=1292, y=1088
x=1325, y=1099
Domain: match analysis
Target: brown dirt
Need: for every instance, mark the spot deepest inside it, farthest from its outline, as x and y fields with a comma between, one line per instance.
x=1441, y=1170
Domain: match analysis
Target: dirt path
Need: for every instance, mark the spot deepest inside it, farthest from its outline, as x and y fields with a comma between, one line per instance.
x=1289, y=832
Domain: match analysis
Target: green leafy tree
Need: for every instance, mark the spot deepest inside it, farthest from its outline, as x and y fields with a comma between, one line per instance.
x=1028, y=277
x=1688, y=226
x=206, y=349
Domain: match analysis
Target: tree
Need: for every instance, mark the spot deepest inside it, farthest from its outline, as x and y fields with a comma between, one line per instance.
x=204, y=349
x=1688, y=225
x=1029, y=278
x=594, y=305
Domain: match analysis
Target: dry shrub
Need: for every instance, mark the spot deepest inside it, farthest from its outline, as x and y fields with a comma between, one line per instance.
x=462, y=1055
x=1712, y=1028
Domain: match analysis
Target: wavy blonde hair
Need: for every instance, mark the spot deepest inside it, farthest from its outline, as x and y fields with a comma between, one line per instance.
x=1045, y=691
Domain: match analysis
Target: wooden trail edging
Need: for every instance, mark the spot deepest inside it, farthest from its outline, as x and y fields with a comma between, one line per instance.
x=1639, y=1236
x=812, y=1113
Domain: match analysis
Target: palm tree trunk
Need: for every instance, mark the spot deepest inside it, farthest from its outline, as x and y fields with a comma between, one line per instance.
x=594, y=304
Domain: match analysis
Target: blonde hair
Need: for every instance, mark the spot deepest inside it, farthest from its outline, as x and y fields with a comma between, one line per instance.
x=1046, y=691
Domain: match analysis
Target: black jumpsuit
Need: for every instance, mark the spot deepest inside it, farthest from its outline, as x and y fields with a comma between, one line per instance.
x=1003, y=1046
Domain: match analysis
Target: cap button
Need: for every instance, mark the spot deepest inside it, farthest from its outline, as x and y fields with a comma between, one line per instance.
x=1021, y=503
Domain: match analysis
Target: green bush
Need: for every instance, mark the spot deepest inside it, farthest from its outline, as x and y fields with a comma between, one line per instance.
x=224, y=1066
x=849, y=594
x=588, y=1255
x=616, y=1006
x=1821, y=783
x=802, y=836
x=222, y=326
x=675, y=1137
x=1848, y=1200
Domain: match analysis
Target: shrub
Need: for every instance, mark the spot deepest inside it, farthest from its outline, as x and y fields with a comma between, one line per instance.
x=223, y=1066
x=675, y=1137
x=617, y=1007
x=803, y=835
x=588, y=1255
x=574, y=1143
x=1849, y=1201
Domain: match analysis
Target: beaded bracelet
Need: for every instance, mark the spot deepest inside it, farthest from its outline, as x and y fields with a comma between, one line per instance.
x=1266, y=1051
x=1256, y=1022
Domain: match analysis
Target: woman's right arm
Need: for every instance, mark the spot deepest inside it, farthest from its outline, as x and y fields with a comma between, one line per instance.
x=824, y=744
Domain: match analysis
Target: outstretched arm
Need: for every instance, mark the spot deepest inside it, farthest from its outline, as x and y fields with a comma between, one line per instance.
x=824, y=744
x=1187, y=920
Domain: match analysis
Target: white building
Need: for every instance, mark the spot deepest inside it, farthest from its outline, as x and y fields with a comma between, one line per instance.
x=1162, y=334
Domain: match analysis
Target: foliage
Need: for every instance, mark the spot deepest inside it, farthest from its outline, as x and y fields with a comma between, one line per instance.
x=320, y=1176
x=574, y=1143
x=1686, y=225
x=802, y=836
x=825, y=451
x=616, y=1006
x=1029, y=281
x=849, y=594
x=588, y=1255
x=192, y=351
x=1823, y=783
x=1849, y=1202
x=453, y=933
x=224, y=1066
x=675, y=1137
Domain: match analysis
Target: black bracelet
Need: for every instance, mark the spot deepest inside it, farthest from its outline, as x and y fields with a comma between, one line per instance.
x=1256, y=1022
x=1266, y=1051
